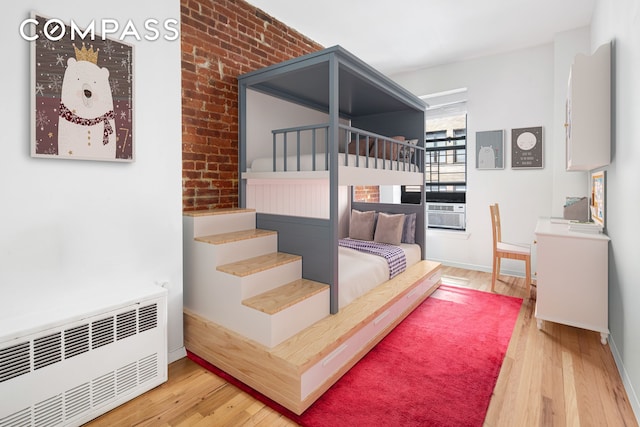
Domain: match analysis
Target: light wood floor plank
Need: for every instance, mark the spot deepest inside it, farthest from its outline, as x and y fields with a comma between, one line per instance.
x=570, y=398
x=544, y=372
x=552, y=389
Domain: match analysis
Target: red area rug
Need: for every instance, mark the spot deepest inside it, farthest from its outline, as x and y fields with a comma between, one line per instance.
x=437, y=368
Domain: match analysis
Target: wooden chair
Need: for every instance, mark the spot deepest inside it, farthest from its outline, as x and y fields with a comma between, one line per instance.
x=507, y=250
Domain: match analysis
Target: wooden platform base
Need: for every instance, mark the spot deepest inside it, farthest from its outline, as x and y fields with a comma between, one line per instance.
x=298, y=371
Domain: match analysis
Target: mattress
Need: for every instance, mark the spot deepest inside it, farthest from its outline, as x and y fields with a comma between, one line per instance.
x=359, y=272
x=265, y=164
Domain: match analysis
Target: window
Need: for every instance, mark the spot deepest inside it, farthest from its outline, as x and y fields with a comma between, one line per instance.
x=445, y=162
x=445, y=173
x=446, y=159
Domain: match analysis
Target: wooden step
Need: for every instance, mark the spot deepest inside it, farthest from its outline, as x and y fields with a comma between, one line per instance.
x=257, y=264
x=278, y=299
x=235, y=236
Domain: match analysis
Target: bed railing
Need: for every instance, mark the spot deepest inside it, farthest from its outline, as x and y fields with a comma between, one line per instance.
x=369, y=150
x=382, y=151
x=315, y=132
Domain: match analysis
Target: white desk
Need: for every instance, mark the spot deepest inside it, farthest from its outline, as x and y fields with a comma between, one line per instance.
x=572, y=277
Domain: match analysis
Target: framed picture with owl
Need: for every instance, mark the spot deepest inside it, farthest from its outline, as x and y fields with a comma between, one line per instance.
x=527, y=148
x=82, y=94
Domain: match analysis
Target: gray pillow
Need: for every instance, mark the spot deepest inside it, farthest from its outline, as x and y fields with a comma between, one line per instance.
x=389, y=228
x=361, y=225
x=409, y=229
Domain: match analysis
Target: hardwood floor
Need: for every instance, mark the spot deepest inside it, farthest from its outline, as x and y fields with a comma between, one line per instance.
x=560, y=376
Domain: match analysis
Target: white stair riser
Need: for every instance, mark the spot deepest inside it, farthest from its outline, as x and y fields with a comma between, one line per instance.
x=294, y=319
x=227, y=253
x=263, y=281
x=271, y=330
x=199, y=272
x=207, y=225
x=212, y=296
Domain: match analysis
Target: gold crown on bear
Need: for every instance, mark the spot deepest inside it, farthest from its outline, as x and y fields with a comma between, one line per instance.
x=85, y=54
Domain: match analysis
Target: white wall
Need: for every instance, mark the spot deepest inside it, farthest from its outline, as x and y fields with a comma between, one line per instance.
x=68, y=222
x=266, y=113
x=504, y=92
x=619, y=21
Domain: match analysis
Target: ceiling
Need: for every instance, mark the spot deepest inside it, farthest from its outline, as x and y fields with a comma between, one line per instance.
x=404, y=35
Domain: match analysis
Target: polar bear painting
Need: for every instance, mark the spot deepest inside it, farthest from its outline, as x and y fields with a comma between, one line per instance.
x=486, y=158
x=86, y=123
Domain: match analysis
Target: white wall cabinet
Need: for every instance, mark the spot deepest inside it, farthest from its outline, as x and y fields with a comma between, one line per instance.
x=588, y=111
x=572, y=277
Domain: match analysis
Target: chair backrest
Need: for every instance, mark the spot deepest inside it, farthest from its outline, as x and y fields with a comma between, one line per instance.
x=495, y=225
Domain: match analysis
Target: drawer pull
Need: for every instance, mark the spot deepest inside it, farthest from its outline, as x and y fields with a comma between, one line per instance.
x=334, y=354
x=381, y=317
x=413, y=292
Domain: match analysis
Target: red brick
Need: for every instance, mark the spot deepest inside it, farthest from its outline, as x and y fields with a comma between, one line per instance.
x=226, y=32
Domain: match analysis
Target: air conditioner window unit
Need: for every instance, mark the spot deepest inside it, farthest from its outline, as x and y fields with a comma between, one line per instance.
x=446, y=215
x=67, y=360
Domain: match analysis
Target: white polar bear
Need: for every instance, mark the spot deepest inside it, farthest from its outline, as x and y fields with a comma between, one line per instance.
x=486, y=158
x=86, y=123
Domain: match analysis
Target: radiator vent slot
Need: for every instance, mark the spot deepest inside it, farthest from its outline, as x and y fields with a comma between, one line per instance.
x=126, y=378
x=102, y=332
x=104, y=388
x=76, y=341
x=47, y=350
x=15, y=361
x=148, y=368
x=19, y=419
x=126, y=324
x=147, y=317
x=48, y=412
x=77, y=400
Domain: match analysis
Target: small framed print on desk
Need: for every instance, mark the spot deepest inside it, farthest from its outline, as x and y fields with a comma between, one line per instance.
x=597, y=197
x=526, y=148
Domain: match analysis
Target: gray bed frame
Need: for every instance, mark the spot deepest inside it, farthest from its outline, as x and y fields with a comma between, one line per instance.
x=335, y=82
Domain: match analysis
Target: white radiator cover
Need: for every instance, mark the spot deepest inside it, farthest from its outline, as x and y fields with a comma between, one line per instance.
x=65, y=361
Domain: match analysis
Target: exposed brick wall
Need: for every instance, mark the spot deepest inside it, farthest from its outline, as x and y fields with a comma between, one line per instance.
x=369, y=194
x=222, y=39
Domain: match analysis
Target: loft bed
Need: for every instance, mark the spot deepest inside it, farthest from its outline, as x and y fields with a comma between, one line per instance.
x=369, y=126
x=310, y=130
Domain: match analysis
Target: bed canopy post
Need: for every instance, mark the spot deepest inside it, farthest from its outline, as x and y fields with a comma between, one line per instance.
x=242, y=143
x=423, y=188
x=334, y=96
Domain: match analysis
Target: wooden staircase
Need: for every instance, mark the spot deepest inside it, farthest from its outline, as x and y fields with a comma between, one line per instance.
x=234, y=276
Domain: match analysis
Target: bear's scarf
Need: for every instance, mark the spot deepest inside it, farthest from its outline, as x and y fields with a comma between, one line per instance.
x=70, y=116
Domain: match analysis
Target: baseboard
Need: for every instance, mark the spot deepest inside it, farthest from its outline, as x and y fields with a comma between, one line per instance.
x=176, y=354
x=461, y=265
x=478, y=267
x=626, y=381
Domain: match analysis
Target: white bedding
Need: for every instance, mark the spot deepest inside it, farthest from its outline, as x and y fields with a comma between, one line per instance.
x=265, y=164
x=360, y=272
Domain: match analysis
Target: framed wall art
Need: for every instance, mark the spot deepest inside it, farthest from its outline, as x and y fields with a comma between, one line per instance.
x=527, y=148
x=490, y=149
x=82, y=95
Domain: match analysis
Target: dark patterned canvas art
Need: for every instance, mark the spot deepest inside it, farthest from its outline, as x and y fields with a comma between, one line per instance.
x=82, y=96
